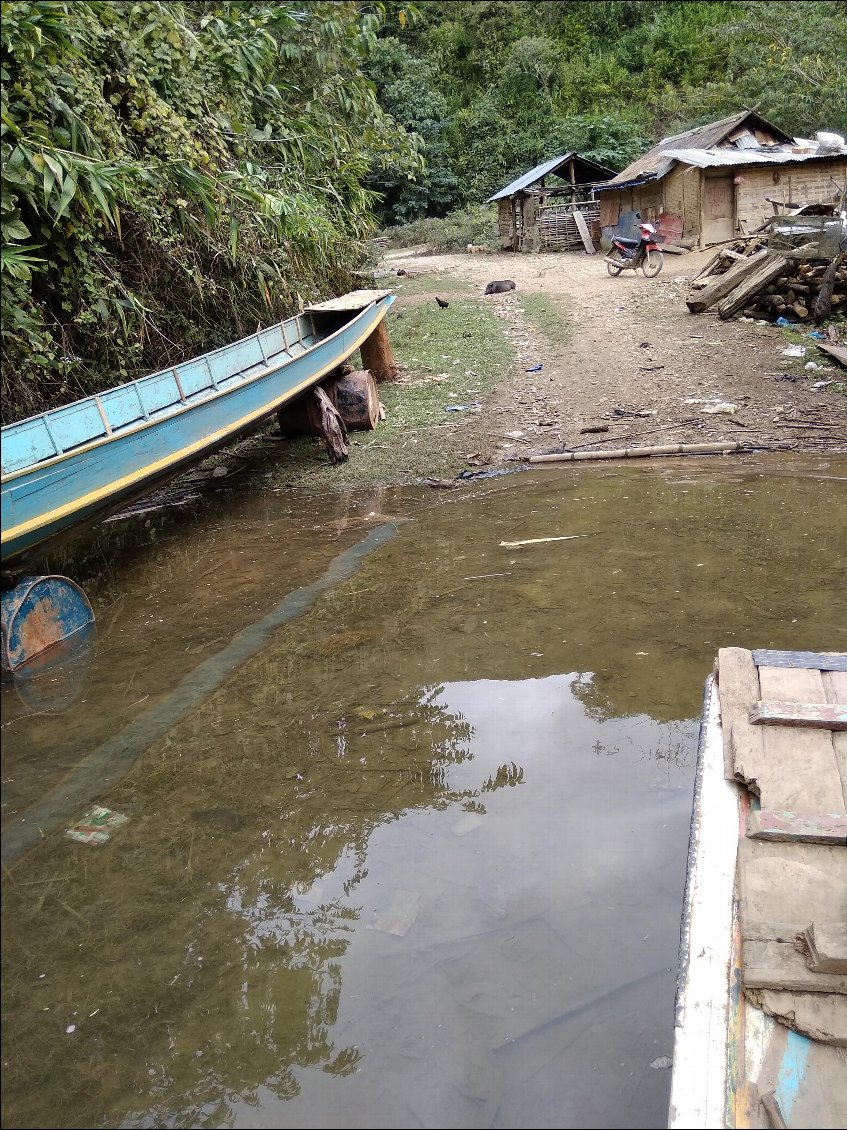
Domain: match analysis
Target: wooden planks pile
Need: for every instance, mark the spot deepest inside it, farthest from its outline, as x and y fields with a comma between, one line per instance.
x=760, y=282
x=784, y=724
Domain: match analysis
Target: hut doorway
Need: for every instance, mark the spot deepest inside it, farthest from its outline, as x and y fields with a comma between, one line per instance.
x=718, y=208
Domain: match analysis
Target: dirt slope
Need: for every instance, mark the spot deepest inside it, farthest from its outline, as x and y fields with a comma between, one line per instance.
x=633, y=347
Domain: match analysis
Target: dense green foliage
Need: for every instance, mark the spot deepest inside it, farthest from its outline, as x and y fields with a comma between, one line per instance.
x=516, y=82
x=175, y=174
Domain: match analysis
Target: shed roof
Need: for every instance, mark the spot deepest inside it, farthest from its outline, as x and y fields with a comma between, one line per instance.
x=545, y=169
x=657, y=162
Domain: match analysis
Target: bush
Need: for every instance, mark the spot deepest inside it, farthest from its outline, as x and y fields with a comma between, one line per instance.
x=477, y=224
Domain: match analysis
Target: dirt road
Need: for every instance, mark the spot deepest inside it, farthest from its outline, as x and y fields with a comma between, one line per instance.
x=637, y=362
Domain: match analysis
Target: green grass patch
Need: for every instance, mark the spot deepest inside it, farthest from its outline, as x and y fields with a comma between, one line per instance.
x=549, y=317
x=465, y=347
x=428, y=284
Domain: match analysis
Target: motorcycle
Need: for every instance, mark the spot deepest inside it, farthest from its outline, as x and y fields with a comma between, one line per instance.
x=632, y=254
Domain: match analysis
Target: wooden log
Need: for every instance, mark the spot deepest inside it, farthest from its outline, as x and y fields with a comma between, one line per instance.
x=724, y=283
x=585, y=234
x=824, y=302
x=639, y=452
x=377, y=355
x=357, y=400
x=766, y=271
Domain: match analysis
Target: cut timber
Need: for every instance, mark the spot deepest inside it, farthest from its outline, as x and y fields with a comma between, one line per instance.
x=357, y=400
x=828, y=716
x=377, y=355
x=585, y=234
x=778, y=965
x=812, y=660
x=824, y=947
x=769, y=268
x=724, y=283
x=798, y=827
x=738, y=686
x=355, y=396
x=641, y=452
x=837, y=352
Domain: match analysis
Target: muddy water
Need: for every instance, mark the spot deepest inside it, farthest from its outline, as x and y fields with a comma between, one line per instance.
x=407, y=807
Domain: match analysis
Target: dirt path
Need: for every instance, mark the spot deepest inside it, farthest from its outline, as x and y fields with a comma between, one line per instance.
x=633, y=347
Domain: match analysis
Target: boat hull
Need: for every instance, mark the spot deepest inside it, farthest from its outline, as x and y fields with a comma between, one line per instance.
x=67, y=493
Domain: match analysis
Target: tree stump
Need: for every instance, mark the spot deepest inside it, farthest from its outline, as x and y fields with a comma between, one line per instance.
x=377, y=355
x=353, y=393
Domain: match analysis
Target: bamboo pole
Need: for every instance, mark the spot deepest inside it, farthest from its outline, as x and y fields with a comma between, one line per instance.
x=638, y=452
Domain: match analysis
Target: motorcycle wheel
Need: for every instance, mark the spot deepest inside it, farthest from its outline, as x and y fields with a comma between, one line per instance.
x=652, y=263
x=613, y=268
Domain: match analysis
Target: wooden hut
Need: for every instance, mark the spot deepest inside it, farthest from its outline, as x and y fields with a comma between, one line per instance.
x=722, y=180
x=537, y=212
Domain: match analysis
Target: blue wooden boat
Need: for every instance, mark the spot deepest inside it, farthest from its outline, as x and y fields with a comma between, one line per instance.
x=74, y=465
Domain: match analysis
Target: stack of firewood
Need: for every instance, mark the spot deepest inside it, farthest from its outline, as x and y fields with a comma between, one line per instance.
x=765, y=284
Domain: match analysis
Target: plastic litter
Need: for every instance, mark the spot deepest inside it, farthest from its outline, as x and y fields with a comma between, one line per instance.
x=721, y=409
x=462, y=407
x=398, y=916
x=817, y=335
x=534, y=369
x=783, y=322
x=811, y=366
x=822, y=384
x=794, y=351
x=96, y=826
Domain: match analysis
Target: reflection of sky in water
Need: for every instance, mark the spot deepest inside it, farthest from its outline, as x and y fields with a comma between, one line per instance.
x=518, y=951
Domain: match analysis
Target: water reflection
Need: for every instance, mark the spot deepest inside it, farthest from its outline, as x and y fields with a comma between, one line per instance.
x=419, y=858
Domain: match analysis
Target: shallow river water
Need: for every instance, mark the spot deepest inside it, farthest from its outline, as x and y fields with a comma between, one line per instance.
x=407, y=803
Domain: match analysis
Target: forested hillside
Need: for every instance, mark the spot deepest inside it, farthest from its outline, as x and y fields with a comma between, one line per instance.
x=493, y=88
x=175, y=174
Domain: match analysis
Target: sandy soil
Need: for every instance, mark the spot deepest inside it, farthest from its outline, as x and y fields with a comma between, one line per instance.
x=635, y=348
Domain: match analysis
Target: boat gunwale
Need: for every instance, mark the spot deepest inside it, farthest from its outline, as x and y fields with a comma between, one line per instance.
x=111, y=437
x=180, y=456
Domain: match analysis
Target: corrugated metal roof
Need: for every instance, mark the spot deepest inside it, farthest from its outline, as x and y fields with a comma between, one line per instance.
x=544, y=169
x=785, y=155
x=653, y=165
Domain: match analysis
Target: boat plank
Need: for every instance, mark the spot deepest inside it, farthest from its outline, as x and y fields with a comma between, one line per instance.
x=835, y=685
x=355, y=300
x=783, y=883
x=778, y=965
x=798, y=827
x=818, y=660
x=738, y=686
x=826, y=715
x=818, y=787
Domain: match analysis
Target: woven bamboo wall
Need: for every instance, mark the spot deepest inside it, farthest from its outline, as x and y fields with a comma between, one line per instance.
x=557, y=227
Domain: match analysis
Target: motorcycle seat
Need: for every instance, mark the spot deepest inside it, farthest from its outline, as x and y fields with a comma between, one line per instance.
x=627, y=242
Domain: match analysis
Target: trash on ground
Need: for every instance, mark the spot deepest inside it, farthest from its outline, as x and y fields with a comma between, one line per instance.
x=794, y=351
x=721, y=409
x=822, y=384
x=96, y=826
x=534, y=369
x=594, y=428
x=817, y=335
x=538, y=541
x=463, y=407
x=399, y=915
x=783, y=322
x=811, y=366
x=662, y=1062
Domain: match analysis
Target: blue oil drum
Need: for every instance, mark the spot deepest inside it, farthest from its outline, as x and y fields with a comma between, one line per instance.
x=44, y=619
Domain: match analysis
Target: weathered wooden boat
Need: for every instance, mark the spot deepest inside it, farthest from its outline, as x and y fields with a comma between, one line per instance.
x=761, y=1008
x=74, y=465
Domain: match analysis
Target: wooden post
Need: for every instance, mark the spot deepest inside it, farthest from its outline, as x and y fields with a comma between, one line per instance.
x=377, y=355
